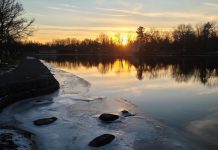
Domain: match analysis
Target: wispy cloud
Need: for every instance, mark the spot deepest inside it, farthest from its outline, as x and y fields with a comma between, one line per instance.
x=85, y=28
x=77, y=9
x=205, y=128
x=112, y=12
x=116, y=15
x=163, y=14
x=135, y=6
x=65, y=7
x=37, y=14
x=211, y=5
x=54, y=8
x=69, y=8
x=62, y=8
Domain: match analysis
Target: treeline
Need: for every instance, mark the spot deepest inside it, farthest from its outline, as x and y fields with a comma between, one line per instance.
x=102, y=45
x=185, y=39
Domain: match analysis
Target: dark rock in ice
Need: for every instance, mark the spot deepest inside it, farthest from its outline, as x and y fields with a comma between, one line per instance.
x=125, y=113
x=102, y=140
x=108, y=117
x=45, y=121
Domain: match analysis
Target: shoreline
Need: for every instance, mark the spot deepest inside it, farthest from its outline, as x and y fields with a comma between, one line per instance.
x=124, y=56
x=30, y=79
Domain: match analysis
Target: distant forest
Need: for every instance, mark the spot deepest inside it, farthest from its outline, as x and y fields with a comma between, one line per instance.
x=184, y=40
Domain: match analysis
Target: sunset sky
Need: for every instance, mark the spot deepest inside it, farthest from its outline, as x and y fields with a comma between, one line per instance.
x=57, y=19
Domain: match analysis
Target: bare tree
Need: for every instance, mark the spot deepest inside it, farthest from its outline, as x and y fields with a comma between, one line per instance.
x=103, y=39
x=208, y=30
x=13, y=26
x=184, y=35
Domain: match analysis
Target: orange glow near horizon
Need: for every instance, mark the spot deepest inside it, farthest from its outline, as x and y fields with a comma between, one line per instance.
x=122, y=38
x=47, y=34
x=119, y=35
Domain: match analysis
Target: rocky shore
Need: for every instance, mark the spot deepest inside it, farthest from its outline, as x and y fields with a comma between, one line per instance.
x=30, y=79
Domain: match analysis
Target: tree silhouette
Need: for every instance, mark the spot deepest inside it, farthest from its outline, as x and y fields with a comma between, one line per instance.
x=140, y=38
x=13, y=26
x=208, y=33
x=184, y=37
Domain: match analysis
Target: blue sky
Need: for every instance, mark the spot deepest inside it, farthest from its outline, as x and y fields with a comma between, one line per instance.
x=87, y=18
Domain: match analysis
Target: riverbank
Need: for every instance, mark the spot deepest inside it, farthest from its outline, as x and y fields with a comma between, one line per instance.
x=30, y=79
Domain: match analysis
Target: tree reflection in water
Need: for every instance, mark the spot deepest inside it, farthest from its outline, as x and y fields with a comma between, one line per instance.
x=182, y=69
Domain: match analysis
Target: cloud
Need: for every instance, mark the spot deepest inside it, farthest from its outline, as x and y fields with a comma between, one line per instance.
x=62, y=9
x=119, y=10
x=69, y=8
x=112, y=12
x=164, y=14
x=211, y=5
x=85, y=28
x=54, y=8
x=135, y=6
x=206, y=129
x=116, y=15
x=37, y=14
x=209, y=92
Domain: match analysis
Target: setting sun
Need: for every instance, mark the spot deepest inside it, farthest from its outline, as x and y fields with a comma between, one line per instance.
x=124, y=40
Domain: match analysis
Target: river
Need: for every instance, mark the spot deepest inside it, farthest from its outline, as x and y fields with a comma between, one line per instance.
x=174, y=102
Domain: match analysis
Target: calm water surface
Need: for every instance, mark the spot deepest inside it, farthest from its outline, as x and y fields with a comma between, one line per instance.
x=182, y=93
